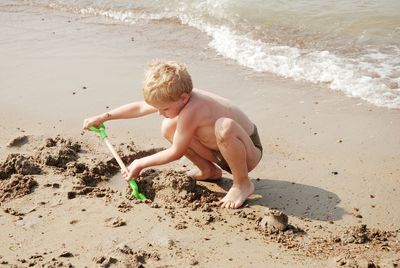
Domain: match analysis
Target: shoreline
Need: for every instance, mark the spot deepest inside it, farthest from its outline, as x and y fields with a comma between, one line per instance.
x=327, y=156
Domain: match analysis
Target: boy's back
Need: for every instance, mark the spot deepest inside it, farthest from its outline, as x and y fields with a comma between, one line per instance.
x=205, y=108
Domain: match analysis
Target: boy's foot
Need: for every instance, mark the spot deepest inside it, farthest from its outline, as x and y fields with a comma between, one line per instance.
x=213, y=173
x=237, y=195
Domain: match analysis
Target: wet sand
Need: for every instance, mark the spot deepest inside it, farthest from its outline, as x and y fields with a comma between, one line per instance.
x=326, y=189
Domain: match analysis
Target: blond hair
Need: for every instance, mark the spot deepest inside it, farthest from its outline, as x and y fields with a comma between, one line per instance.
x=165, y=81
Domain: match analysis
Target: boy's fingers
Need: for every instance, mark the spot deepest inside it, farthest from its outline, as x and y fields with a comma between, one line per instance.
x=86, y=125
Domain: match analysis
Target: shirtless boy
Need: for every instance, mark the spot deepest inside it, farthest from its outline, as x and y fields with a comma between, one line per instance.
x=206, y=128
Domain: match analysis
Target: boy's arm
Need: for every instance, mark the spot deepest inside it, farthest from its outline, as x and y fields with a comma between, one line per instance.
x=184, y=133
x=130, y=110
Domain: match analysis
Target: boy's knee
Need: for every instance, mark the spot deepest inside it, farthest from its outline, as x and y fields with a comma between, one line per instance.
x=168, y=127
x=223, y=128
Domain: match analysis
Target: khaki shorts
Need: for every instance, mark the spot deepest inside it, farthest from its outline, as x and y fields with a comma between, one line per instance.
x=221, y=162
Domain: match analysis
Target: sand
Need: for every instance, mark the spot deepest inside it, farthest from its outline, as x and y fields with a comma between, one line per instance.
x=326, y=188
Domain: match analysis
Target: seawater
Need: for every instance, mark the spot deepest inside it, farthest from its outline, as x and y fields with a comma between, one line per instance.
x=349, y=45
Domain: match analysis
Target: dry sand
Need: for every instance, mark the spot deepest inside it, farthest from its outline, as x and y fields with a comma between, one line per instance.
x=327, y=189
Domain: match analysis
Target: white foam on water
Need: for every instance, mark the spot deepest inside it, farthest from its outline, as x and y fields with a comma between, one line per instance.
x=342, y=74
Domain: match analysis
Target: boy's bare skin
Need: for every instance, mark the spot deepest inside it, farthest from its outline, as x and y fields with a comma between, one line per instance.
x=197, y=124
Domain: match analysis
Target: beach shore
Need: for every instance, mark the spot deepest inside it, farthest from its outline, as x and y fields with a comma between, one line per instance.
x=331, y=163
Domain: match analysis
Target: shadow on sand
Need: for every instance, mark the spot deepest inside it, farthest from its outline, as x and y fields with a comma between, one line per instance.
x=294, y=199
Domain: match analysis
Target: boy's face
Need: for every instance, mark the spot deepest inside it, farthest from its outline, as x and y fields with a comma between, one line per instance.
x=171, y=109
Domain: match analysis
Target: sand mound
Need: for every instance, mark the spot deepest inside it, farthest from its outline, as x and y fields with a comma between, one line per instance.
x=140, y=258
x=16, y=187
x=58, y=152
x=274, y=220
x=124, y=256
x=18, y=164
x=362, y=234
x=172, y=188
x=53, y=153
x=91, y=174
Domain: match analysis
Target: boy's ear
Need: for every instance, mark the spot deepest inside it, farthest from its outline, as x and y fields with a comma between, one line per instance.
x=185, y=97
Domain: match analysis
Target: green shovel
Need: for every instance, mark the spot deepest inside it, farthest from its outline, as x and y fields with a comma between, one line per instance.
x=101, y=130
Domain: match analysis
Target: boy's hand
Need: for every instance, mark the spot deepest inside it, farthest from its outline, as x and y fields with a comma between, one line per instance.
x=134, y=170
x=93, y=121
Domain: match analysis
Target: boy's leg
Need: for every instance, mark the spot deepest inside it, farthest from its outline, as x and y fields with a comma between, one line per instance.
x=242, y=156
x=205, y=170
x=198, y=154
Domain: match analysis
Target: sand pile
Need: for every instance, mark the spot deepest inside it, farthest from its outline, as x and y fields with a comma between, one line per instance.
x=15, y=179
x=274, y=221
x=172, y=188
x=18, y=164
x=140, y=258
x=53, y=156
x=349, y=246
x=16, y=186
x=362, y=234
x=124, y=256
x=57, y=152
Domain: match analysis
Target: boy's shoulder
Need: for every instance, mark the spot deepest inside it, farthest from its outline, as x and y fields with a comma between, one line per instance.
x=195, y=108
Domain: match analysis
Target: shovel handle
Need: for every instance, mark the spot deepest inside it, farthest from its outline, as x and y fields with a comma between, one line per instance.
x=101, y=130
x=116, y=156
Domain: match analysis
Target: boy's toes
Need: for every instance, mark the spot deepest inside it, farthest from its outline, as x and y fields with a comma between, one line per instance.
x=224, y=204
x=222, y=201
x=228, y=204
x=231, y=205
